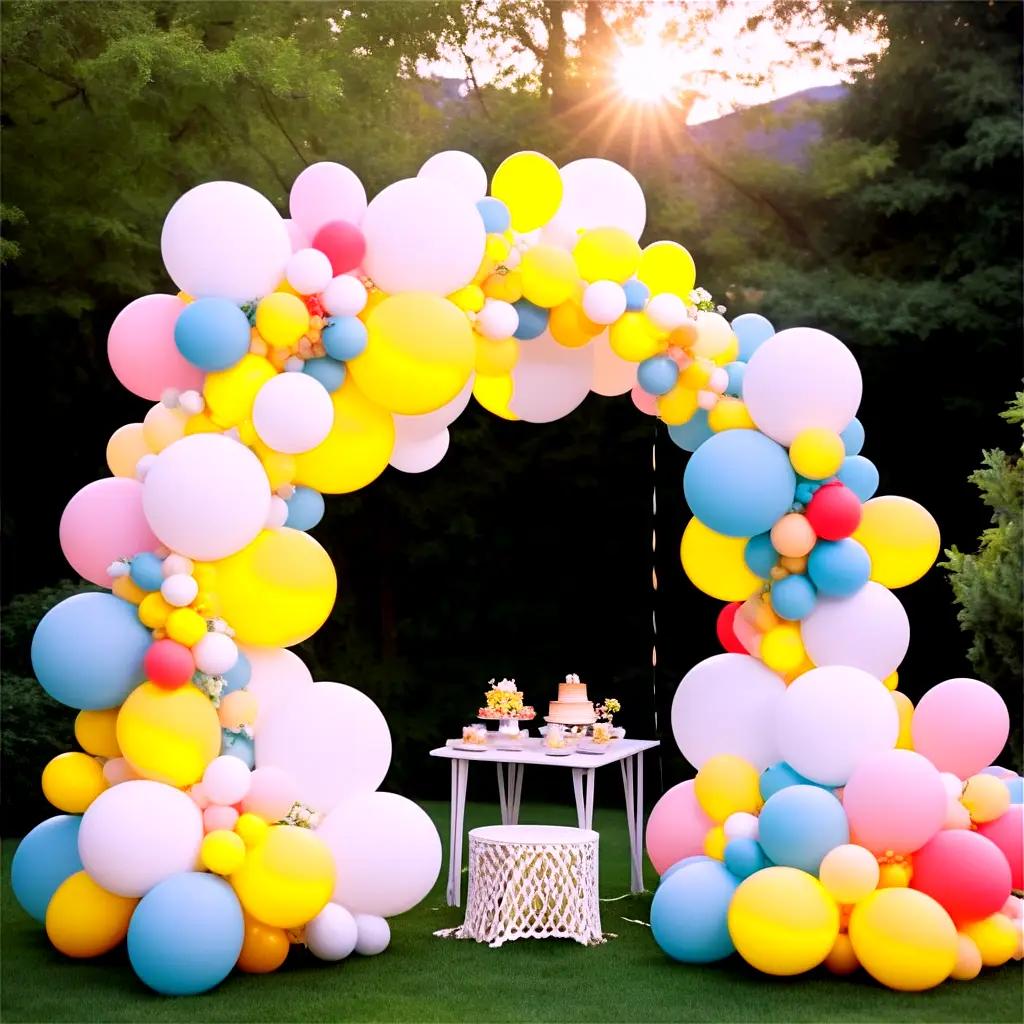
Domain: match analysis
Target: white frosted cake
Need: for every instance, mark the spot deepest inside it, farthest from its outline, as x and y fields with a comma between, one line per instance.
x=572, y=706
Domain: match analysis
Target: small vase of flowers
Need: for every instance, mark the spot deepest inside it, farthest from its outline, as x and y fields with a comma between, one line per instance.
x=605, y=712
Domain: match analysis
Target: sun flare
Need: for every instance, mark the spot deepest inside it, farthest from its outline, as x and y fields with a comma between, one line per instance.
x=647, y=73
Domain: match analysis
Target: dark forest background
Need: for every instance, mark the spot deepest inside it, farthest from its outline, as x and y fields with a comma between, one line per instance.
x=888, y=213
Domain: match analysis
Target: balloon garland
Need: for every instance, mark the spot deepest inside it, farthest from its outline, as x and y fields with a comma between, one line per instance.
x=225, y=806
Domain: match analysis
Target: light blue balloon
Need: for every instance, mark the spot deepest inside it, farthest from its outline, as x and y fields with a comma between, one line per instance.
x=794, y=597
x=43, y=859
x=533, y=320
x=212, y=334
x=679, y=864
x=147, y=570
x=853, y=437
x=238, y=675
x=805, y=489
x=752, y=330
x=87, y=651
x=689, y=913
x=495, y=215
x=330, y=372
x=637, y=294
x=237, y=744
x=760, y=556
x=1016, y=788
x=305, y=509
x=739, y=482
x=743, y=857
x=186, y=934
x=693, y=433
x=860, y=475
x=736, y=373
x=779, y=776
x=838, y=568
x=799, y=825
x=344, y=337
x=658, y=375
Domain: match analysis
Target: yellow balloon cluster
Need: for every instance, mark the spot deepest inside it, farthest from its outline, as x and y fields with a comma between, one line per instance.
x=901, y=537
x=84, y=920
x=715, y=564
x=530, y=186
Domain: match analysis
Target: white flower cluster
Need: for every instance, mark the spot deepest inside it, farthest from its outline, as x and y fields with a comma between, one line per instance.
x=506, y=685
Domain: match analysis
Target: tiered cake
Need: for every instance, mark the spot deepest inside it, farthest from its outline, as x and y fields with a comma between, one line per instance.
x=572, y=706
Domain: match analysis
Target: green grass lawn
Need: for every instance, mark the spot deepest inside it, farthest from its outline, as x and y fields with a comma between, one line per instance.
x=422, y=978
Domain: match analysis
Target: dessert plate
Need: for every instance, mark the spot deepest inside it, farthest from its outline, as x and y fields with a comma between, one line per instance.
x=468, y=746
x=555, y=752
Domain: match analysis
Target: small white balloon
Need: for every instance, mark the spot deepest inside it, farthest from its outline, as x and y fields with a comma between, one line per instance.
x=293, y=413
x=604, y=301
x=707, y=400
x=332, y=934
x=180, y=589
x=143, y=466
x=952, y=784
x=192, y=402
x=458, y=170
x=667, y=311
x=560, y=233
x=549, y=380
x=344, y=296
x=430, y=424
x=374, y=934
x=741, y=825
x=226, y=780
x=278, y=514
x=326, y=192
x=215, y=654
x=719, y=380
x=418, y=454
x=309, y=271
x=497, y=320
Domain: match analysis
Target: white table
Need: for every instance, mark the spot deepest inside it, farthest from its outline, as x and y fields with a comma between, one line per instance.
x=627, y=753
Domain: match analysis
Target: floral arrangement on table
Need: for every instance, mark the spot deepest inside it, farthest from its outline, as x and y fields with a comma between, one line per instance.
x=505, y=701
x=607, y=710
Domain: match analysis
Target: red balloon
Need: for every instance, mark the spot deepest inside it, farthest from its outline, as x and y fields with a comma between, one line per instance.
x=834, y=511
x=965, y=872
x=726, y=634
x=169, y=664
x=343, y=244
x=1007, y=832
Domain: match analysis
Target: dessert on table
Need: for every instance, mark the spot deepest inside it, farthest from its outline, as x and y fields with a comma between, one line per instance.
x=572, y=707
x=474, y=735
x=505, y=703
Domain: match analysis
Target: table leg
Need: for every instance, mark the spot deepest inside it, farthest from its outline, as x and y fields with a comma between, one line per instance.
x=516, y=772
x=460, y=775
x=583, y=787
x=502, y=797
x=627, y=787
x=633, y=783
x=638, y=852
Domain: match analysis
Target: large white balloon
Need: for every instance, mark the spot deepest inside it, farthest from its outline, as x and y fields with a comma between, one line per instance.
x=422, y=235
x=831, y=718
x=277, y=676
x=459, y=170
x=726, y=705
x=801, y=378
x=418, y=454
x=332, y=934
x=386, y=850
x=206, y=496
x=226, y=240
x=138, y=833
x=613, y=375
x=293, y=413
x=331, y=738
x=869, y=630
x=598, y=193
x=549, y=380
x=326, y=192
x=430, y=424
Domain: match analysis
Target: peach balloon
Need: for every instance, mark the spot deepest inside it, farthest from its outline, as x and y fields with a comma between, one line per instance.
x=218, y=817
x=793, y=536
x=237, y=709
x=124, y=449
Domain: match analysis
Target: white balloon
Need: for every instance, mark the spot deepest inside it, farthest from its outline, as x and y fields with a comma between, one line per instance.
x=418, y=454
x=374, y=934
x=604, y=301
x=332, y=934
x=741, y=825
x=458, y=170
x=226, y=780
x=558, y=232
x=430, y=424
x=667, y=311
x=613, y=375
x=177, y=565
x=138, y=833
x=344, y=296
x=497, y=320
x=226, y=240
x=278, y=514
x=726, y=705
x=331, y=738
x=293, y=413
x=326, y=192
x=297, y=235
x=386, y=850
x=179, y=590
x=421, y=235
x=801, y=378
x=309, y=271
x=215, y=654
x=206, y=496
x=831, y=718
x=599, y=193
x=868, y=630
x=952, y=784
x=278, y=676
x=549, y=380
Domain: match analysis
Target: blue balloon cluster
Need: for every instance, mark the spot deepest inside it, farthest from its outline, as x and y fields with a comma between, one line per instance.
x=238, y=675
x=212, y=334
x=237, y=744
x=779, y=776
x=147, y=571
x=533, y=320
x=330, y=372
x=799, y=824
x=744, y=857
x=690, y=910
x=693, y=433
x=853, y=437
x=860, y=475
x=637, y=294
x=752, y=330
x=760, y=555
x=43, y=860
x=658, y=375
x=344, y=337
x=794, y=597
x=838, y=568
x=495, y=215
x=305, y=508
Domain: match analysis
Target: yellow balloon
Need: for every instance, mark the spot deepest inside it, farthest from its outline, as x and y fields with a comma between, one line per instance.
x=201, y=424
x=529, y=184
x=667, y=267
x=280, y=467
x=126, y=588
x=905, y=709
x=895, y=875
x=726, y=784
x=83, y=920
x=163, y=426
x=264, y=947
x=278, y=590
x=901, y=537
x=357, y=449
x=154, y=610
x=570, y=326
x=287, y=879
x=678, y=406
x=698, y=374
x=714, y=843
x=251, y=828
x=606, y=254
x=849, y=872
x=96, y=732
x=892, y=680
x=715, y=564
x=548, y=274
x=469, y=299
x=419, y=354
x=904, y=939
x=222, y=852
x=494, y=394
x=72, y=781
x=985, y=797
x=841, y=958
x=714, y=336
x=124, y=449
x=508, y=287
x=633, y=337
x=281, y=319
x=968, y=959
x=782, y=648
x=730, y=353
x=783, y=921
x=186, y=626
x=497, y=248
x=230, y=393
x=730, y=414
x=817, y=453
x=496, y=358
x=996, y=938
x=168, y=735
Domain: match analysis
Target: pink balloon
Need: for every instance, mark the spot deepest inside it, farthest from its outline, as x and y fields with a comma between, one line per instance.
x=324, y=192
x=613, y=375
x=277, y=676
x=961, y=726
x=102, y=523
x=272, y=791
x=677, y=827
x=217, y=817
x=430, y=424
x=417, y=455
x=549, y=380
x=141, y=349
x=895, y=801
x=1007, y=832
x=645, y=402
x=298, y=237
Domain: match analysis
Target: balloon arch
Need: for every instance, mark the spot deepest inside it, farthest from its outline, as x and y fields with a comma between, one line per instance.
x=224, y=805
